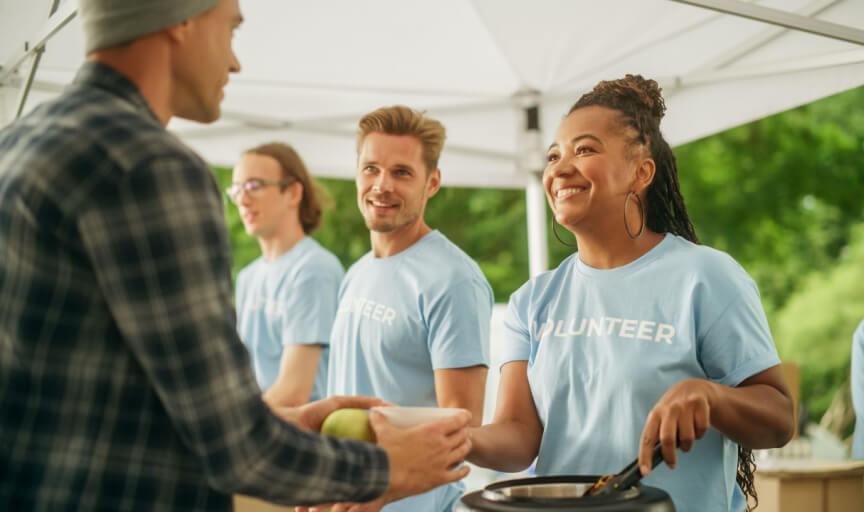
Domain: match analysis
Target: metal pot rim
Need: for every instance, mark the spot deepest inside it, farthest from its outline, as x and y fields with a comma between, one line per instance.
x=495, y=492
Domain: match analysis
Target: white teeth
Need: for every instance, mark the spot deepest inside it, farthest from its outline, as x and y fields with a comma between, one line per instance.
x=567, y=192
x=379, y=203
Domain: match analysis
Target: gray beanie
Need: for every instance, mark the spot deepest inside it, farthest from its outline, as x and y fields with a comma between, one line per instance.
x=111, y=22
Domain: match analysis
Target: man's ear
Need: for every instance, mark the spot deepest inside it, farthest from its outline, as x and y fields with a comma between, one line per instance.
x=433, y=183
x=296, y=191
x=179, y=32
x=644, y=174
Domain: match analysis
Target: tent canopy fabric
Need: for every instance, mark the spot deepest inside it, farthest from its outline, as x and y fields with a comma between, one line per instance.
x=312, y=68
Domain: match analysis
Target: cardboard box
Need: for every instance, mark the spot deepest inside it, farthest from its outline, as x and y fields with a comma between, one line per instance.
x=792, y=374
x=811, y=486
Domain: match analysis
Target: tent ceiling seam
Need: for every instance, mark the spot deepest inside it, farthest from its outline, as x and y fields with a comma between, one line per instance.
x=758, y=71
x=672, y=84
x=629, y=50
x=497, y=45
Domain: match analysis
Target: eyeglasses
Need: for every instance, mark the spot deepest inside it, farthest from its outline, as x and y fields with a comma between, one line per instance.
x=252, y=186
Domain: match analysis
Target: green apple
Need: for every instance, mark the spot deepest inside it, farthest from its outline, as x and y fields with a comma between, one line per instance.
x=349, y=424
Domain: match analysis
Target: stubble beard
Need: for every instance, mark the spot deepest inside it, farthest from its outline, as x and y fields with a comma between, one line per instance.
x=380, y=226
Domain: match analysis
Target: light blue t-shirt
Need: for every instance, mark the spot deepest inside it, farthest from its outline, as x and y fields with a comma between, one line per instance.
x=400, y=318
x=288, y=301
x=604, y=345
x=858, y=391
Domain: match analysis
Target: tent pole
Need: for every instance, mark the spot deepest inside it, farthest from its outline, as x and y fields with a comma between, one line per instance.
x=535, y=206
x=764, y=37
x=56, y=22
x=531, y=163
x=31, y=73
x=28, y=83
x=781, y=18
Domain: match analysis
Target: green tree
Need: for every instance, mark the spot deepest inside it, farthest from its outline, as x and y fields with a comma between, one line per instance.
x=488, y=224
x=815, y=326
x=780, y=194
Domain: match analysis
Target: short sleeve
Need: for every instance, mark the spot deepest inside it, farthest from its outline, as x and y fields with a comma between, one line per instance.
x=310, y=308
x=858, y=391
x=459, y=325
x=515, y=343
x=738, y=343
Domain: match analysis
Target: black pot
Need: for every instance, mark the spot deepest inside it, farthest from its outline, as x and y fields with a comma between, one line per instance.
x=562, y=493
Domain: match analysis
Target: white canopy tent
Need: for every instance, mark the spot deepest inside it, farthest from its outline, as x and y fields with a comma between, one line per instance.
x=498, y=73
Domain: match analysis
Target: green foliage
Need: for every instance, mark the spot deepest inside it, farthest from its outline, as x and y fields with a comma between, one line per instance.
x=779, y=194
x=244, y=249
x=488, y=224
x=815, y=327
x=342, y=230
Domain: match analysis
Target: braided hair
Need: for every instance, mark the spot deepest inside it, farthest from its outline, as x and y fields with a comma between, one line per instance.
x=641, y=106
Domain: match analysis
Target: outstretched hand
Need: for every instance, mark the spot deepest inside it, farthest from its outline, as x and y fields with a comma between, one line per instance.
x=681, y=416
x=425, y=456
x=421, y=458
x=310, y=416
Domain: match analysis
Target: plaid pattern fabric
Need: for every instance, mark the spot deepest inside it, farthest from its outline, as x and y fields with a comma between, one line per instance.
x=123, y=384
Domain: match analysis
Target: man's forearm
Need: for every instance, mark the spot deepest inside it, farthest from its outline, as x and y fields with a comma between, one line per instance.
x=311, y=468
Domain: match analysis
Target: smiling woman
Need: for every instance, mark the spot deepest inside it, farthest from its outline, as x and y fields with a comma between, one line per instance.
x=586, y=390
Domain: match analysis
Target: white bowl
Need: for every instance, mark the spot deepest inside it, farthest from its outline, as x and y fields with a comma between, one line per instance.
x=407, y=417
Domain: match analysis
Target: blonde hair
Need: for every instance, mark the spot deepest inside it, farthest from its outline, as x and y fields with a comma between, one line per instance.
x=402, y=120
x=311, y=206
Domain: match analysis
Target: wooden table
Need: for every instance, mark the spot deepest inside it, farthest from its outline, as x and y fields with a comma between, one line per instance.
x=798, y=485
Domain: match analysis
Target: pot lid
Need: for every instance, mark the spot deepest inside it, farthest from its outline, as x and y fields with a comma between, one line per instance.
x=562, y=493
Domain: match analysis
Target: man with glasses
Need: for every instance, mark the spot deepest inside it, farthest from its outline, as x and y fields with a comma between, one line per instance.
x=285, y=299
x=123, y=383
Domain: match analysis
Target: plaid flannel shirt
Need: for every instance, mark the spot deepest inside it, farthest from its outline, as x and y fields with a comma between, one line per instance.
x=123, y=383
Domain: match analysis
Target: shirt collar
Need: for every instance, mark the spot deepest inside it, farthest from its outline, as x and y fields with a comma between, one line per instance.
x=102, y=76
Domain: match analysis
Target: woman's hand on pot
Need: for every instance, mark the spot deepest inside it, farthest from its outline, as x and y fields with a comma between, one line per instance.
x=680, y=417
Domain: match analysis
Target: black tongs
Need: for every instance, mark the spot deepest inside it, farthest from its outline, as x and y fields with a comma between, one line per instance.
x=624, y=480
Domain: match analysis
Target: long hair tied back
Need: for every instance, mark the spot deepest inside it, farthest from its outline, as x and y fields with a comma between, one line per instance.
x=641, y=106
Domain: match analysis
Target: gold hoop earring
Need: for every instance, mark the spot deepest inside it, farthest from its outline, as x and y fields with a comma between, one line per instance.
x=555, y=232
x=641, y=214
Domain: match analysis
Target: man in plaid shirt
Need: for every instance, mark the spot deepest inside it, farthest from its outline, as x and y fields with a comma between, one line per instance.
x=123, y=384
